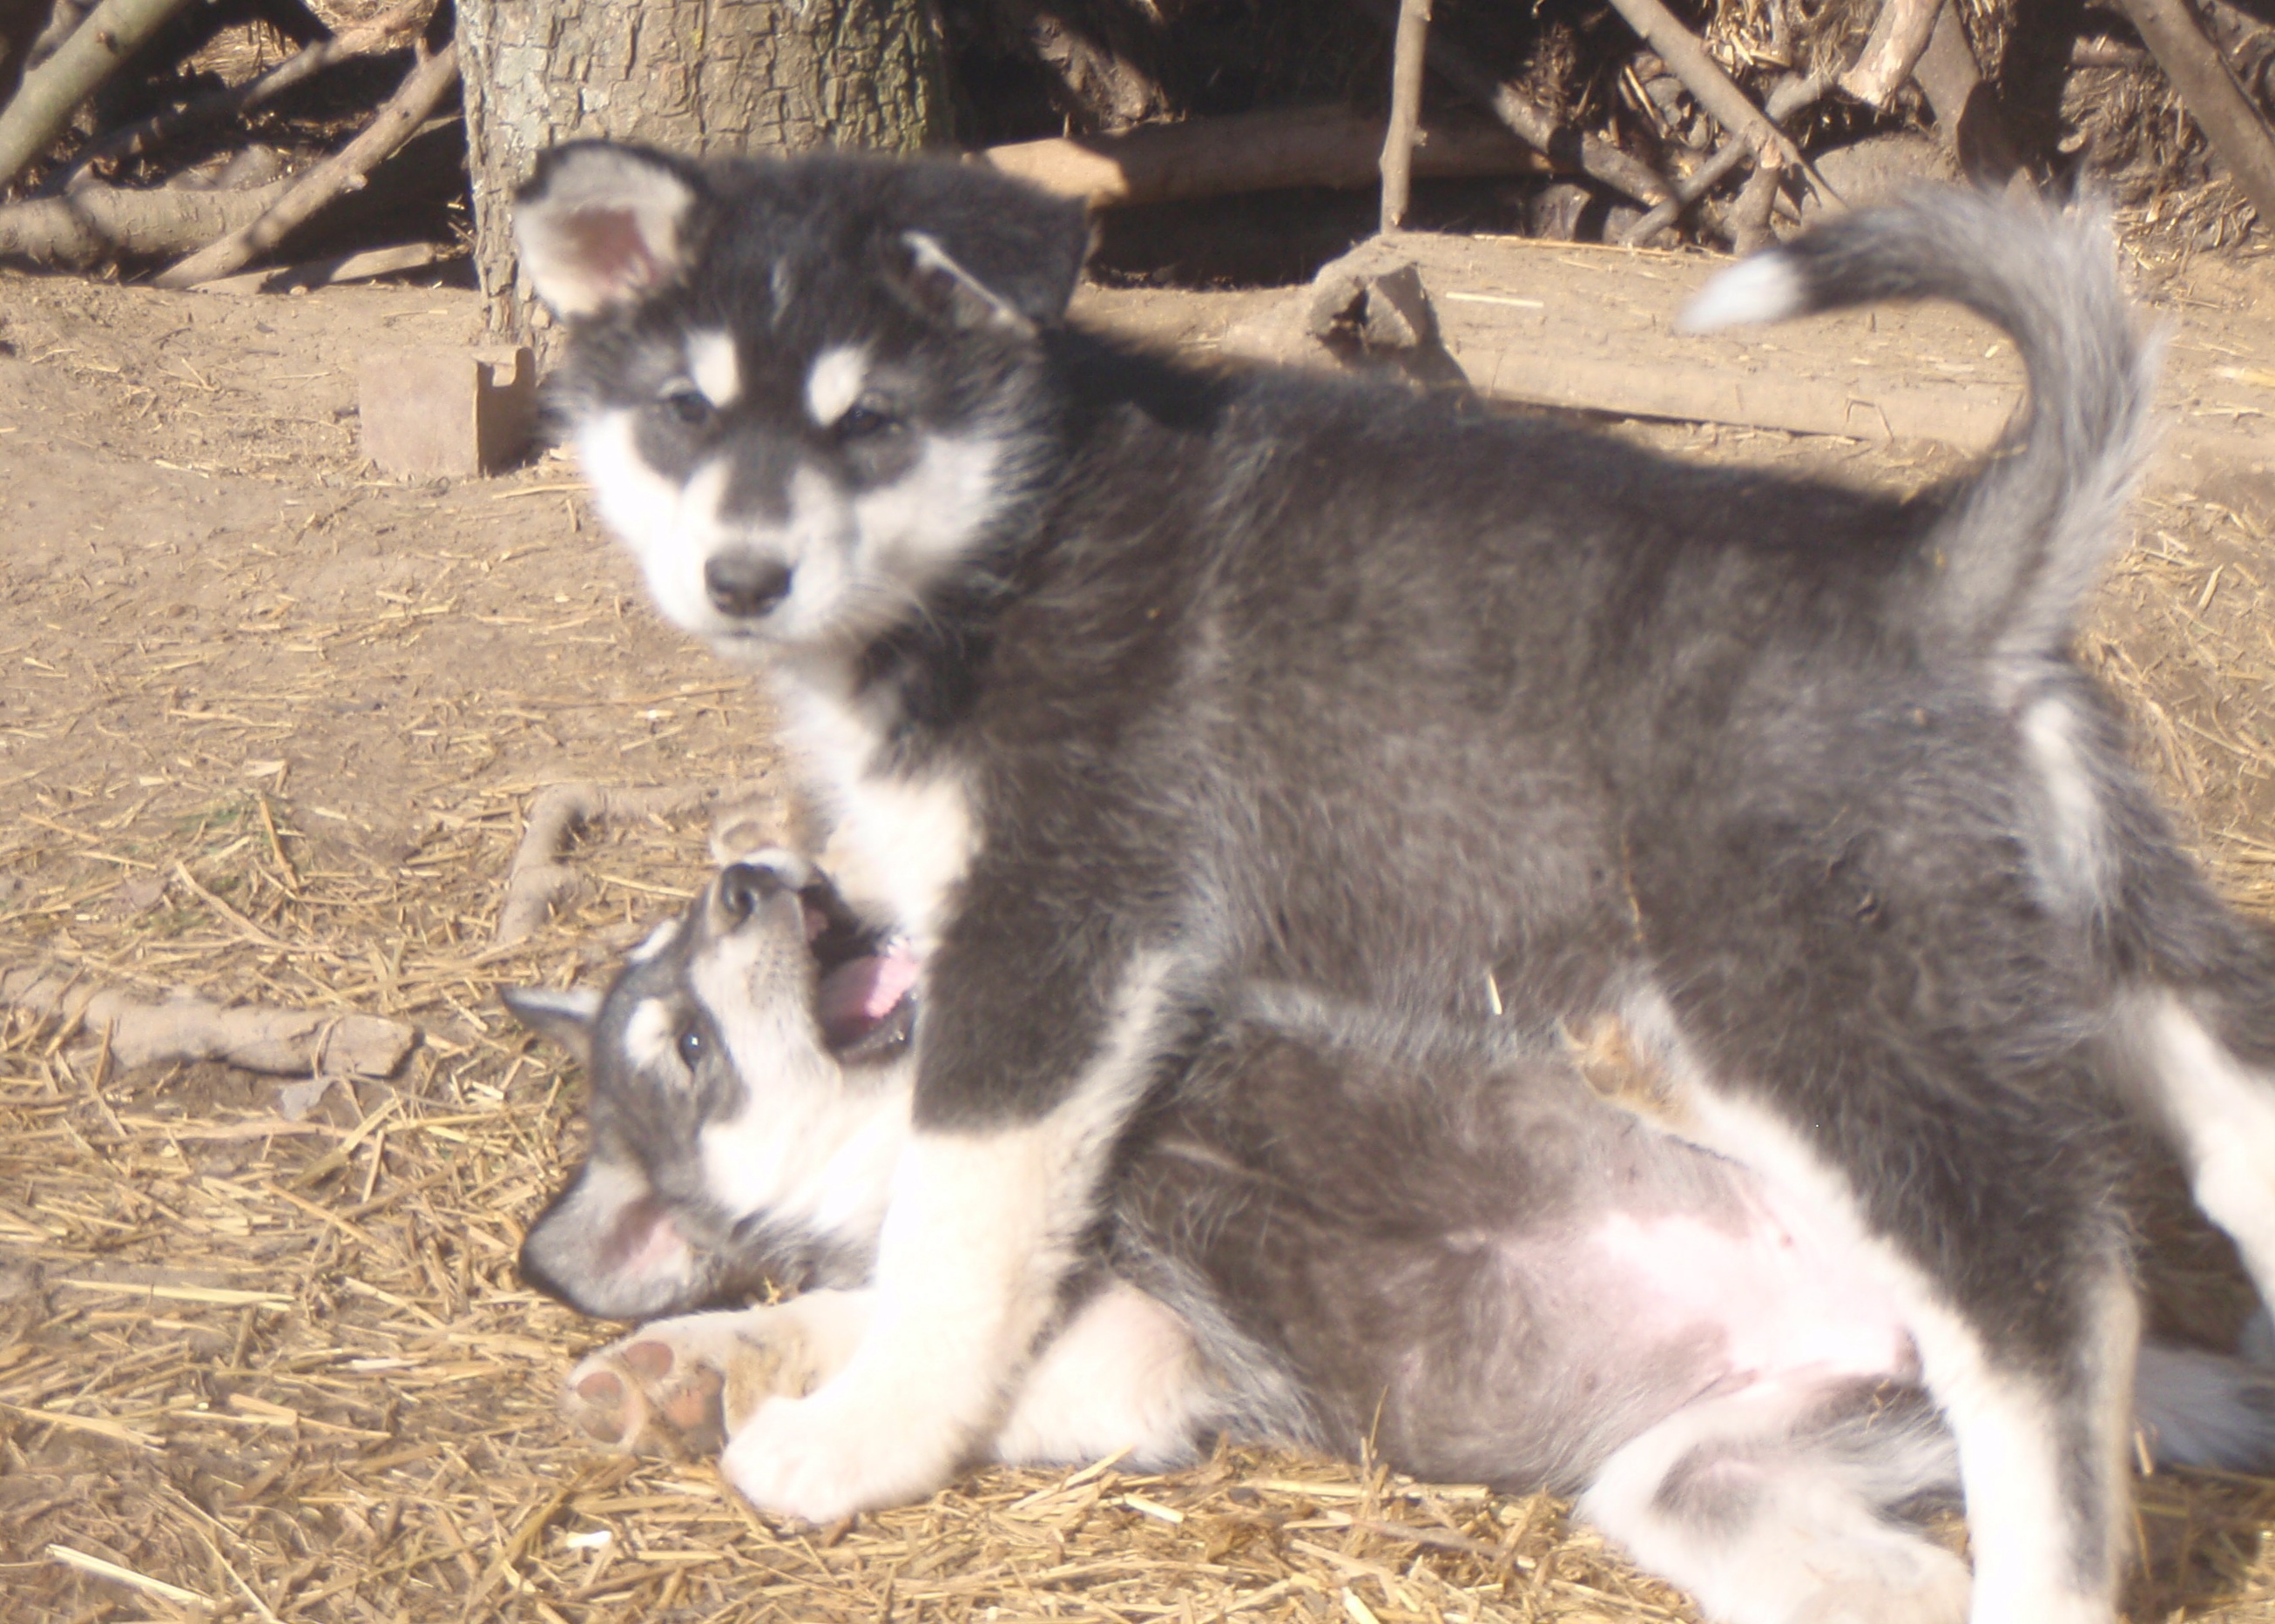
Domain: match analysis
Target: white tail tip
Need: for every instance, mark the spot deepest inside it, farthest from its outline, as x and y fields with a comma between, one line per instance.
x=1766, y=287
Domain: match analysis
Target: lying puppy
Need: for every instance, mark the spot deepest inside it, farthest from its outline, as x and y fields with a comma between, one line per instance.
x=1137, y=687
x=1332, y=1229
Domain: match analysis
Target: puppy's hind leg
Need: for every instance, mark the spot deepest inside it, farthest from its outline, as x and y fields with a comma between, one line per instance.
x=1770, y=1505
x=2217, y=1110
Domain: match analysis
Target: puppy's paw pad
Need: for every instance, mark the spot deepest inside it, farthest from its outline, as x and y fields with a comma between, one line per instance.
x=647, y=1398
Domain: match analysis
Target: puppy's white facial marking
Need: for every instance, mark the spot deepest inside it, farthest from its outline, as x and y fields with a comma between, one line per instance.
x=672, y=529
x=835, y=382
x=715, y=368
x=650, y=1035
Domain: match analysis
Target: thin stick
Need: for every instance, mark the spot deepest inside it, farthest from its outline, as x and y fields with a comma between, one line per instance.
x=117, y=1575
x=1530, y=122
x=1891, y=50
x=51, y=94
x=422, y=90
x=2229, y=122
x=367, y=39
x=1409, y=49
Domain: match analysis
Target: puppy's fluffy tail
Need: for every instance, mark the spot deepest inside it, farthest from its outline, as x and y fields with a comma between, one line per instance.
x=2021, y=547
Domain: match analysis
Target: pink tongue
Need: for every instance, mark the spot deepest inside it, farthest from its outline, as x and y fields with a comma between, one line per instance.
x=859, y=994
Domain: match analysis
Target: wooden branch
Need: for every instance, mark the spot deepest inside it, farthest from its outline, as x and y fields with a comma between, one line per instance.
x=51, y=94
x=1787, y=97
x=1564, y=146
x=327, y=273
x=382, y=34
x=1409, y=47
x=539, y=877
x=1899, y=35
x=422, y=90
x=1702, y=77
x=2229, y=121
x=306, y=1042
x=97, y=224
x=1247, y=152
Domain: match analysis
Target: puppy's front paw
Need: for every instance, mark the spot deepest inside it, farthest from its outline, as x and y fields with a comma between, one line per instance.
x=680, y=1386
x=839, y=1453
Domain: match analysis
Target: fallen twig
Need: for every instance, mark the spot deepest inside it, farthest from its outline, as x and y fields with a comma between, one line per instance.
x=2229, y=122
x=1244, y=152
x=292, y=1042
x=51, y=94
x=1409, y=43
x=1899, y=36
x=96, y=224
x=382, y=33
x=327, y=273
x=1532, y=123
x=538, y=878
x=421, y=91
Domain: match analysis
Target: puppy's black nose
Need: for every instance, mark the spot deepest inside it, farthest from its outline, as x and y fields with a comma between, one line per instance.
x=743, y=886
x=743, y=584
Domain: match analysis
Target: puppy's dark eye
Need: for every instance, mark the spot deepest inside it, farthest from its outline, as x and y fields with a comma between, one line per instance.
x=693, y=1047
x=863, y=422
x=686, y=404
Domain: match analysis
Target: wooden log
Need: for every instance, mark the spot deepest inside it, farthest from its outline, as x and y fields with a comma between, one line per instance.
x=1247, y=152
x=2229, y=121
x=1409, y=47
x=51, y=94
x=422, y=90
x=1899, y=36
x=97, y=224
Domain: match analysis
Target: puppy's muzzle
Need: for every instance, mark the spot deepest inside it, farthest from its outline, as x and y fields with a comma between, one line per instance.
x=745, y=585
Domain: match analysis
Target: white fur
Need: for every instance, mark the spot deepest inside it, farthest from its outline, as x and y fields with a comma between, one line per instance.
x=1766, y=287
x=810, y=1144
x=661, y=937
x=2221, y=1115
x=715, y=367
x=1803, y=1546
x=649, y=1036
x=1122, y=1379
x=901, y=844
x=669, y=527
x=979, y=1229
x=2073, y=860
x=834, y=383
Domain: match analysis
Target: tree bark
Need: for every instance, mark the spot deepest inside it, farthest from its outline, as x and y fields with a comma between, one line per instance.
x=701, y=76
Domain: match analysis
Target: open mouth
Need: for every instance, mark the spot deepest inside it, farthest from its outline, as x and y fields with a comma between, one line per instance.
x=865, y=990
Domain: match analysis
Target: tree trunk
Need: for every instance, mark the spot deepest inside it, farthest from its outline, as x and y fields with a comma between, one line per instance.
x=703, y=76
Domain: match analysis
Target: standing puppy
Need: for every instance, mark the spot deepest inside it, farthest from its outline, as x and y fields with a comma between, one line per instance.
x=1134, y=686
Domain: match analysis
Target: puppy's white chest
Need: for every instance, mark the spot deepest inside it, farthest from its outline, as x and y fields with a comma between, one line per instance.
x=901, y=842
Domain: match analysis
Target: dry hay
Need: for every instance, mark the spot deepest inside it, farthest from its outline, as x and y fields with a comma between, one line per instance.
x=274, y=1369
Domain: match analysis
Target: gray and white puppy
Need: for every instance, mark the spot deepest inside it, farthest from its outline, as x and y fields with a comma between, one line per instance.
x=1136, y=687
x=1330, y=1228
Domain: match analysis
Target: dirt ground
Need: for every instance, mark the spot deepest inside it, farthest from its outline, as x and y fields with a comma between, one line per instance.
x=269, y=730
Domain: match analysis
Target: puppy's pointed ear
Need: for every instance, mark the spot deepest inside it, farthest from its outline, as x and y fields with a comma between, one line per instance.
x=987, y=251
x=599, y=225
x=565, y=1017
